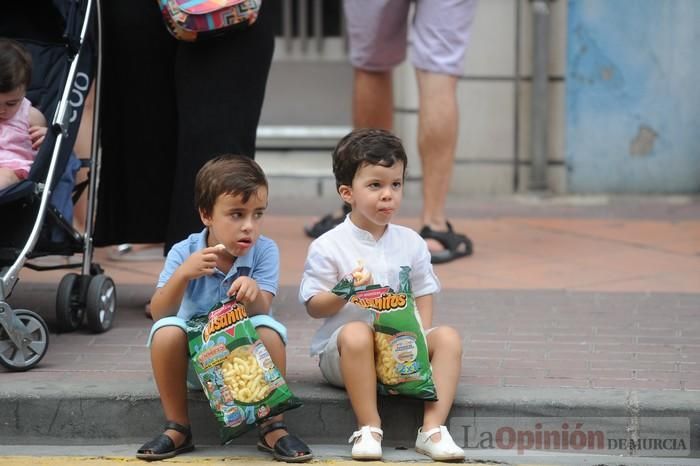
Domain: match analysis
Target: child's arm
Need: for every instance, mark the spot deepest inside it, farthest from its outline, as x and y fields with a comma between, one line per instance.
x=37, y=127
x=166, y=300
x=324, y=304
x=425, y=310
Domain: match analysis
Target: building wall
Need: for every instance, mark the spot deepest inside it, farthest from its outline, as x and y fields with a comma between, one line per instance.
x=633, y=100
x=623, y=102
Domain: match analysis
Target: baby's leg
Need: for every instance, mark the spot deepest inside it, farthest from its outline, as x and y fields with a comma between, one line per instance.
x=7, y=177
x=445, y=349
x=169, y=359
x=356, y=348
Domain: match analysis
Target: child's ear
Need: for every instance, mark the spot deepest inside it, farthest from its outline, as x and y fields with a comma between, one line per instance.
x=206, y=218
x=345, y=192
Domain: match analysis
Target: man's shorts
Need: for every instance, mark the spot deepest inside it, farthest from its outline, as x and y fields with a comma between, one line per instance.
x=260, y=320
x=329, y=359
x=377, y=30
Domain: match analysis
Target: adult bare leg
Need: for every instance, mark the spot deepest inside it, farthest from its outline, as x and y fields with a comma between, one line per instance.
x=373, y=99
x=438, y=119
x=437, y=141
x=83, y=147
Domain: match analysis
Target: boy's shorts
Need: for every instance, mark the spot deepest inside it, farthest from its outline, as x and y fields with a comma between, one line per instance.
x=260, y=320
x=377, y=30
x=329, y=359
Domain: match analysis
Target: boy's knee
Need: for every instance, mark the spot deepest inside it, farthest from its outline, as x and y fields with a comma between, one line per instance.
x=269, y=336
x=169, y=336
x=447, y=338
x=355, y=336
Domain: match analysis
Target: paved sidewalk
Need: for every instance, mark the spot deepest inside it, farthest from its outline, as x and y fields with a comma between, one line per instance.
x=567, y=307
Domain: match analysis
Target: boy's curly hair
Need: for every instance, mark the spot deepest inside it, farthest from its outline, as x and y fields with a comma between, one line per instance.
x=365, y=147
x=227, y=174
x=15, y=66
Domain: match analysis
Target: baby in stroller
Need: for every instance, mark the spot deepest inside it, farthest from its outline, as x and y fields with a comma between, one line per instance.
x=22, y=127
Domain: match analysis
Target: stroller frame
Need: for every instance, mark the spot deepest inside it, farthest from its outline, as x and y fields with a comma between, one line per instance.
x=91, y=293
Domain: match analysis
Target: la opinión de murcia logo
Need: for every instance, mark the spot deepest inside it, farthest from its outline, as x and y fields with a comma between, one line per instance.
x=651, y=437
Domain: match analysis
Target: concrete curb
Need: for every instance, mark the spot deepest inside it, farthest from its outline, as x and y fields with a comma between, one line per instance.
x=70, y=413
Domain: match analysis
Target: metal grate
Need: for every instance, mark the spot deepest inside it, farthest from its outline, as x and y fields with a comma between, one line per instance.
x=310, y=22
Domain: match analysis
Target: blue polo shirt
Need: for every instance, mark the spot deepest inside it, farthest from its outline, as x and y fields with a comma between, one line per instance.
x=261, y=263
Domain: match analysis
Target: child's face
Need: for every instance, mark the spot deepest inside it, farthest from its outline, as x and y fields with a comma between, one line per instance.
x=375, y=196
x=236, y=224
x=10, y=103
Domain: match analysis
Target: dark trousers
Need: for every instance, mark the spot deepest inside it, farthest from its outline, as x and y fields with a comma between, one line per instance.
x=167, y=108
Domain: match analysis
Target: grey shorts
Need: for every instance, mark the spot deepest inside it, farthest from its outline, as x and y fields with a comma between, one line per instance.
x=439, y=34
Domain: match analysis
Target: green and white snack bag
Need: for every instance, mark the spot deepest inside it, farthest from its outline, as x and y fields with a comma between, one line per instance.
x=239, y=378
x=401, y=352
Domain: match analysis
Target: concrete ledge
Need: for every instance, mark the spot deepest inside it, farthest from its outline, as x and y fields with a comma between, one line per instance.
x=73, y=413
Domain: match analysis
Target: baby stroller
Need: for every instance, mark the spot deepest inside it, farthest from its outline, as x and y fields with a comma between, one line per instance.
x=63, y=37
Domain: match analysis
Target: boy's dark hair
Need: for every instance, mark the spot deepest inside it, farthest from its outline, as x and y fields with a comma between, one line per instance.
x=15, y=66
x=227, y=174
x=365, y=147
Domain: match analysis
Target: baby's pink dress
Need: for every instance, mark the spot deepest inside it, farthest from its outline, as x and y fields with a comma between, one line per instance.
x=16, y=151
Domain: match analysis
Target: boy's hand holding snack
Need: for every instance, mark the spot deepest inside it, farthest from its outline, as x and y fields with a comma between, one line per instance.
x=200, y=263
x=358, y=278
x=361, y=276
x=245, y=289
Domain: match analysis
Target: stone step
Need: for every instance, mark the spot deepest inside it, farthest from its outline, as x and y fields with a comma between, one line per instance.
x=70, y=413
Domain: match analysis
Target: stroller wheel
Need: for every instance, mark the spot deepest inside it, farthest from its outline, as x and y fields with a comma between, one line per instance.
x=69, y=311
x=101, y=303
x=35, y=342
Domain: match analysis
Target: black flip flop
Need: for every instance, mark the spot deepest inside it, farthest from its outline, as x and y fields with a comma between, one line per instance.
x=451, y=241
x=326, y=223
x=290, y=448
x=163, y=447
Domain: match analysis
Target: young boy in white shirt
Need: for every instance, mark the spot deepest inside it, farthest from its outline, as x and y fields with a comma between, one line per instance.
x=369, y=167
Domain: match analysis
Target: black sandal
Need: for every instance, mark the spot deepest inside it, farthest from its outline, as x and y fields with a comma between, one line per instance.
x=326, y=223
x=163, y=447
x=290, y=448
x=456, y=245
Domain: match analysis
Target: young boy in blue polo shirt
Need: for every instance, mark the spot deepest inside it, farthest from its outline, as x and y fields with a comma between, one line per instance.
x=228, y=257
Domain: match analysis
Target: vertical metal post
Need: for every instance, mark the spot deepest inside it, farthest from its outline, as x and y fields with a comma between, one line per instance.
x=516, y=98
x=303, y=24
x=318, y=25
x=95, y=150
x=287, y=24
x=539, y=124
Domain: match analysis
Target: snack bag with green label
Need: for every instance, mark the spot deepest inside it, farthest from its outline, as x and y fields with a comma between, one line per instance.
x=239, y=378
x=400, y=348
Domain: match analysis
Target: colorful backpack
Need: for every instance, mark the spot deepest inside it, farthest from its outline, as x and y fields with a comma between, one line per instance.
x=192, y=20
